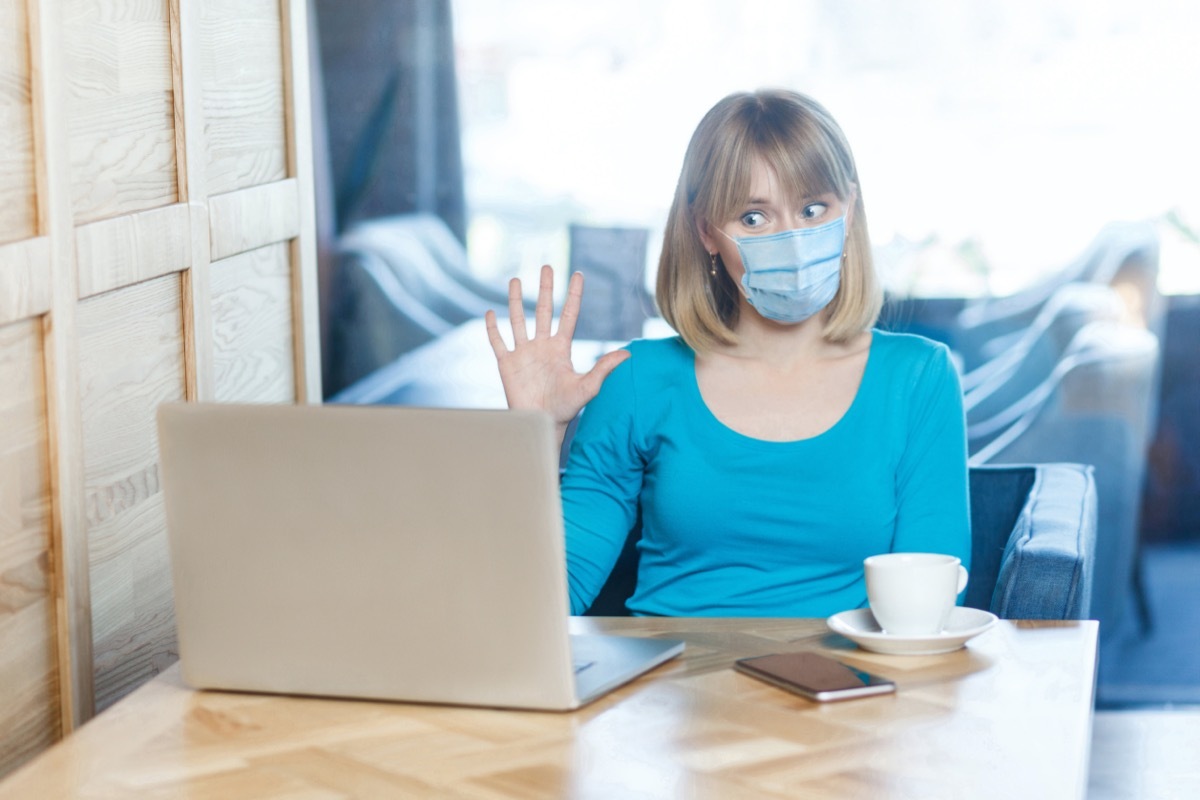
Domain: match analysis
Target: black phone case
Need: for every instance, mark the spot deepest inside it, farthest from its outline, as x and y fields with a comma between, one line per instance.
x=814, y=676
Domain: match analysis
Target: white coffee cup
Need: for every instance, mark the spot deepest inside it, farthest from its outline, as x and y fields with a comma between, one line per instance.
x=912, y=594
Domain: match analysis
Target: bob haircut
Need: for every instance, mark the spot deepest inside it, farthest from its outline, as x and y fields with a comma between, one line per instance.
x=802, y=144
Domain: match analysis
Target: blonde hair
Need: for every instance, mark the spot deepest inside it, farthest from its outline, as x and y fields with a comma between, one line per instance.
x=803, y=145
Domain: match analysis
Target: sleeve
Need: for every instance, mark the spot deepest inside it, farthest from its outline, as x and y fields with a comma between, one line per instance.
x=933, y=511
x=601, y=485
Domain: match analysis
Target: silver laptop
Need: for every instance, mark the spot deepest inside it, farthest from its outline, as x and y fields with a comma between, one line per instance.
x=378, y=552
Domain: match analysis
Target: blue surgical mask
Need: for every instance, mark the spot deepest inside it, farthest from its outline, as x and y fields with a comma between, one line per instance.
x=792, y=275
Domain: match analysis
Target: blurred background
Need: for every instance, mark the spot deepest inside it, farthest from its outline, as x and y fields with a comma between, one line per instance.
x=1007, y=150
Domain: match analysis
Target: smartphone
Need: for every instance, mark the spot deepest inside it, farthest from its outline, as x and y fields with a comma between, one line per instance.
x=814, y=676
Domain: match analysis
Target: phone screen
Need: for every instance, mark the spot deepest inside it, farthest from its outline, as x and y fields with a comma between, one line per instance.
x=814, y=676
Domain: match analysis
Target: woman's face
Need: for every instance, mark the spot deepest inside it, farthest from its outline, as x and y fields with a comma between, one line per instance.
x=769, y=210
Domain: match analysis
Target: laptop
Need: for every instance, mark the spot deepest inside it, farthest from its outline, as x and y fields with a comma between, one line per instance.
x=378, y=552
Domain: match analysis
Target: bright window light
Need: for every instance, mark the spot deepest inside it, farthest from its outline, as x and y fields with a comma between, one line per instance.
x=994, y=138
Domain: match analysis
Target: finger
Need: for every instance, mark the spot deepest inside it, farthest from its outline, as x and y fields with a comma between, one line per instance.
x=570, y=309
x=545, y=303
x=516, y=311
x=601, y=370
x=493, y=332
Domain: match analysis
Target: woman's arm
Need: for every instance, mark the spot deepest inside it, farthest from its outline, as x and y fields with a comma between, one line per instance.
x=933, y=513
x=601, y=486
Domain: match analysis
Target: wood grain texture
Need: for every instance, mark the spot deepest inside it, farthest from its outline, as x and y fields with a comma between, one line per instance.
x=252, y=326
x=29, y=698
x=242, y=63
x=121, y=107
x=132, y=248
x=298, y=51
x=131, y=360
x=73, y=612
x=1008, y=717
x=193, y=156
x=25, y=289
x=104, y=259
x=18, y=202
x=250, y=218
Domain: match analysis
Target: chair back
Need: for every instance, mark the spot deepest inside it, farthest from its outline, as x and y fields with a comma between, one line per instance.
x=1094, y=409
x=375, y=319
x=613, y=262
x=1123, y=254
x=1032, y=354
x=401, y=281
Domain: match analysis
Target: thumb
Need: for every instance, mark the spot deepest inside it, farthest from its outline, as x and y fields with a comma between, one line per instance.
x=602, y=369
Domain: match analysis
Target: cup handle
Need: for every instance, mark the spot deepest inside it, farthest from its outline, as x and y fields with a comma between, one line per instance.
x=962, y=578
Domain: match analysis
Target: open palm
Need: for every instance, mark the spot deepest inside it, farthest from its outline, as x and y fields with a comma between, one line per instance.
x=537, y=373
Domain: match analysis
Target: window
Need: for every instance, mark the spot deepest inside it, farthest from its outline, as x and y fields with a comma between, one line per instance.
x=994, y=138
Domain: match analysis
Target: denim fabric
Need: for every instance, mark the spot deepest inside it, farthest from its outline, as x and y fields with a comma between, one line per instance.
x=998, y=497
x=1044, y=561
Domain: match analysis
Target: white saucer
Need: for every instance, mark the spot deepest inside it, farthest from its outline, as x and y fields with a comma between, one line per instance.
x=860, y=627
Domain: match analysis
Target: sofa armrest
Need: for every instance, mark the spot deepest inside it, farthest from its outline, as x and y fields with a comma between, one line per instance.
x=1047, y=566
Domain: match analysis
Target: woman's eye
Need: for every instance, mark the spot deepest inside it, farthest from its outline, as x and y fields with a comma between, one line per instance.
x=815, y=210
x=752, y=219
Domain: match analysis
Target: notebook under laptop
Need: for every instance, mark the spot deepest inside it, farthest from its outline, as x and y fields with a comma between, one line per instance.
x=378, y=552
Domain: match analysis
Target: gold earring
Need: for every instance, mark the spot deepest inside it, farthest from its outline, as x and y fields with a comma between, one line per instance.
x=712, y=264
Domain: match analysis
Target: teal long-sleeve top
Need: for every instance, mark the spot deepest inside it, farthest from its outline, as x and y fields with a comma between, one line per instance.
x=738, y=526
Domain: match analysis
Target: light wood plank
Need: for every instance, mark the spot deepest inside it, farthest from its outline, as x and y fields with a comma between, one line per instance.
x=29, y=701
x=245, y=132
x=252, y=326
x=191, y=153
x=298, y=99
x=131, y=360
x=18, y=205
x=1008, y=717
x=122, y=131
x=25, y=289
x=71, y=584
x=132, y=248
x=251, y=218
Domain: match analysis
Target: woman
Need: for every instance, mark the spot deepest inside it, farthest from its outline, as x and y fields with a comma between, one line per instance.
x=778, y=440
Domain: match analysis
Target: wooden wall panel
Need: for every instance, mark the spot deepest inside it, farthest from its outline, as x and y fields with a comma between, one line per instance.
x=252, y=326
x=243, y=94
x=139, y=141
x=131, y=360
x=251, y=218
x=24, y=280
x=121, y=107
x=135, y=247
x=18, y=206
x=29, y=695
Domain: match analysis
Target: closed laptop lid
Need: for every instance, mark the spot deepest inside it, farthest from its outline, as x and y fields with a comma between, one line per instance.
x=381, y=552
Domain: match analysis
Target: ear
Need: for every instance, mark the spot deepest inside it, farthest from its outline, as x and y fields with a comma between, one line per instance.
x=707, y=237
x=850, y=201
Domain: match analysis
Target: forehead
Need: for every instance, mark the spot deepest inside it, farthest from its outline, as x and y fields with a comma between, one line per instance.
x=764, y=182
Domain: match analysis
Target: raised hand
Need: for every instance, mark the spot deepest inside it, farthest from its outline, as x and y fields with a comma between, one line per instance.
x=537, y=373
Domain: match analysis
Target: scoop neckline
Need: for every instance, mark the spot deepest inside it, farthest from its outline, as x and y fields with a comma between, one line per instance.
x=751, y=441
